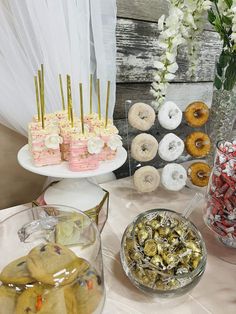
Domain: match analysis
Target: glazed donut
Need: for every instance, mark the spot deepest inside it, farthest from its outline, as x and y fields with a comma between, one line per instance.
x=173, y=177
x=146, y=179
x=144, y=147
x=171, y=147
x=198, y=144
x=141, y=116
x=170, y=116
x=196, y=114
x=199, y=173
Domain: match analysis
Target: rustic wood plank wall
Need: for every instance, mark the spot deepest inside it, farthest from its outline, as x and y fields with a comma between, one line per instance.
x=137, y=35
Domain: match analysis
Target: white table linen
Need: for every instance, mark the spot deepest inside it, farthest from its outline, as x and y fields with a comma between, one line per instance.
x=216, y=292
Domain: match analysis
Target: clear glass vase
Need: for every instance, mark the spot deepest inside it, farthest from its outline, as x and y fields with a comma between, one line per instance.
x=220, y=210
x=222, y=117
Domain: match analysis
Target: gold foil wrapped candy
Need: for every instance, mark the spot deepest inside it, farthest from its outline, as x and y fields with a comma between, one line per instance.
x=142, y=236
x=161, y=252
x=157, y=261
x=150, y=248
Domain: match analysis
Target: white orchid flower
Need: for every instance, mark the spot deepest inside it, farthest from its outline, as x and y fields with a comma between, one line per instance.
x=169, y=33
x=162, y=44
x=190, y=20
x=233, y=36
x=178, y=40
x=172, y=68
x=162, y=86
x=161, y=23
x=174, y=11
x=154, y=93
x=169, y=76
x=184, y=31
x=155, y=85
x=181, y=26
x=190, y=4
x=171, y=56
x=159, y=65
x=157, y=77
x=206, y=5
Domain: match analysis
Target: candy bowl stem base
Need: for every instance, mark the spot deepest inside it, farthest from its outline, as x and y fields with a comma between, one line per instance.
x=227, y=249
x=224, y=247
x=230, y=243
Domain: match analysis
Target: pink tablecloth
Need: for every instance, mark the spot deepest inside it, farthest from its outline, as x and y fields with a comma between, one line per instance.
x=216, y=292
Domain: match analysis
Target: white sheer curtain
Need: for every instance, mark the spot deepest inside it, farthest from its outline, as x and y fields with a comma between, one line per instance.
x=75, y=37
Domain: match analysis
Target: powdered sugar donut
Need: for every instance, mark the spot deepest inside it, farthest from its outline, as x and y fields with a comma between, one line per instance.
x=171, y=147
x=173, y=177
x=141, y=116
x=146, y=179
x=169, y=115
x=144, y=147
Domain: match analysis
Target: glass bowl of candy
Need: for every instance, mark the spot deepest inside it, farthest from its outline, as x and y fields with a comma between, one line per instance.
x=163, y=253
x=51, y=262
x=220, y=211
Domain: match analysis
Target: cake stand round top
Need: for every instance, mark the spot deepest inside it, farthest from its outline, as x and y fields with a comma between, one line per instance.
x=62, y=170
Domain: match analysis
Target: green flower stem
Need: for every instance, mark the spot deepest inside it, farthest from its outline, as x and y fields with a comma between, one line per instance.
x=226, y=37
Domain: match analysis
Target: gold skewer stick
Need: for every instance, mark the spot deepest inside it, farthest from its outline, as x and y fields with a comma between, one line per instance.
x=69, y=101
x=107, y=102
x=91, y=93
x=68, y=98
x=99, y=99
x=43, y=94
x=62, y=93
x=41, y=97
x=72, y=116
x=81, y=106
x=37, y=97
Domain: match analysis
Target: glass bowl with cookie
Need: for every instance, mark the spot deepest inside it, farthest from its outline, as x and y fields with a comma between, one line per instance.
x=163, y=253
x=51, y=262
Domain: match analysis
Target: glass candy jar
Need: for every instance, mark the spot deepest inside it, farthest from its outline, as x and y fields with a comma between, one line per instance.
x=220, y=212
x=51, y=262
x=163, y=253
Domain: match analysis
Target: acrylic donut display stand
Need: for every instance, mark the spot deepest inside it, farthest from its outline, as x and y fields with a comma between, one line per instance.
x=77, y=187
x=185, y=159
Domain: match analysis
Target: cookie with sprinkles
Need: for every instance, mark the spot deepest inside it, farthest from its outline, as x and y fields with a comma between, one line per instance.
x=16, y=272
x=87, y=291
x=8, y=298
x=42, y=300
x=54, y=264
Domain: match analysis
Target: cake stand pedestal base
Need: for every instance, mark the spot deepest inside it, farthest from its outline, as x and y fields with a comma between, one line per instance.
x=78, y=193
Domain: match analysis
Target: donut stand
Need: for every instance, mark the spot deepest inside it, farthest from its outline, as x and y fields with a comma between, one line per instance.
x=164, y=136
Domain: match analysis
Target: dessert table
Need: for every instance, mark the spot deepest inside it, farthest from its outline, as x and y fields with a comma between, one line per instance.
x=216, y=292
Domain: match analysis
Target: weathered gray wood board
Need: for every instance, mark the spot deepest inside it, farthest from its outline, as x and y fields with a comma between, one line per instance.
x=181, y=93
x=137, y=50
x=145, y=10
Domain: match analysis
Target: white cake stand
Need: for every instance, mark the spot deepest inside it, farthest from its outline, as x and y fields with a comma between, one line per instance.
x=75, y=189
